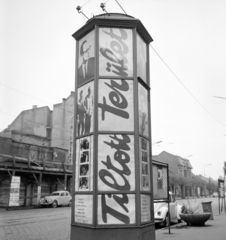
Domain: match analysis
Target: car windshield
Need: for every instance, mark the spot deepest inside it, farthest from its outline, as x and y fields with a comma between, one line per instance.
x=55, y=194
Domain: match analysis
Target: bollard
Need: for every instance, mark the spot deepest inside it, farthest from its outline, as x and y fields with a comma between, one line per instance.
x=207, y=207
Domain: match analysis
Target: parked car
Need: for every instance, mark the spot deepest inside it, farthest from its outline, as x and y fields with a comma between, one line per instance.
x=58, y=198
x=161, y=211
x=215, y=194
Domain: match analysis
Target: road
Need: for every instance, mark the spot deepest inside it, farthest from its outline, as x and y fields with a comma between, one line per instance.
x=53, y=224
x=36, y=224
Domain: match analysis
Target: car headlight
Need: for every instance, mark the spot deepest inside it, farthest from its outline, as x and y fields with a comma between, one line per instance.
x=159, y=213
x=50, y=200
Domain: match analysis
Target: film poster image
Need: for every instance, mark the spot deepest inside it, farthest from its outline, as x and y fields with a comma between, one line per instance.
x=84, y=164
x=85, y=106
x=116, y=162
x=115, y=105
x=144, y=161
x=14, y=191
x=143, y=110
x=145, y=201
x=141, y=59
x=84, y=209
x=116, y=209
x=115, y=52
x=86, y=60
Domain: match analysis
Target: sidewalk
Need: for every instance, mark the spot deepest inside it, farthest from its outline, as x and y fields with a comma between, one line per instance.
x=213, y=230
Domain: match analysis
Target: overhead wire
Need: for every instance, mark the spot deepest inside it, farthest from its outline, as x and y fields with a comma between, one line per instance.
x=187, y=88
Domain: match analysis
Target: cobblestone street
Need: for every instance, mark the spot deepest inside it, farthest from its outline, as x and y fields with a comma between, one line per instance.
x=35, y=224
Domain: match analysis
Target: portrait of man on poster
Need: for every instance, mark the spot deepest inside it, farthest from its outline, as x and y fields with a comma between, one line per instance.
x=86, y=59
x=143, y=111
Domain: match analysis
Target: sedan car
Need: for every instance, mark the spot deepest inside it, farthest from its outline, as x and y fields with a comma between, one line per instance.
x=161, y=211
x=58, y=198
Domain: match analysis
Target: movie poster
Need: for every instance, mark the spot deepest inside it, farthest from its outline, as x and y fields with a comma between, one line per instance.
x=143, y=110
x=116, y=163
x=84, y=164
x=84, y=209
x=115, y=105
x=86, y=60
x=144, y=164
x=141, y=59
x=116, y=209
x=115, y=52
x=85, y=109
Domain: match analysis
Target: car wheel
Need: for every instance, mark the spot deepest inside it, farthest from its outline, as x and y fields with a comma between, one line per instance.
x=69, y=203
x=54, y=204
x=166, y=221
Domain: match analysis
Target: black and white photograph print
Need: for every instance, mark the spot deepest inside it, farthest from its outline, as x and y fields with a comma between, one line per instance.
x=84, y=157
x=86, y=59
x=84, y=183
x=144, y=156
x=84, y=170
x=143, y=111
x=145, y=182
x=85, y=109
x=144, y=168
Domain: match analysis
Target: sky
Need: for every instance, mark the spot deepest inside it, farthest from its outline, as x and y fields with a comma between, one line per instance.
x=187, y=67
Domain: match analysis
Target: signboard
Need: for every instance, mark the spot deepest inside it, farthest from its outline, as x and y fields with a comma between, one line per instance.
x=116, y=209
x=115, y=52
x=14, y=191
x=221, y=188
x=160, y=181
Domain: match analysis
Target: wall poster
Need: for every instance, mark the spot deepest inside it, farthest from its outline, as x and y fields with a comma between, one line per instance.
x=86, y=60
x=115, y=52
x=221, y=188
x=116, y=163
x=84, y=209
x=115, y=105
x=143, y=110
x=116, y=209
x=145, y=201
x=144, y=164
x=160, y=181
x=14, y=195
x=84, y=164
x=141, y=59
x=85, y=109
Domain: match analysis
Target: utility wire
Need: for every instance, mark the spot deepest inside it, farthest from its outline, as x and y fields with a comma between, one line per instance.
x=187, y=88
x=34, y=97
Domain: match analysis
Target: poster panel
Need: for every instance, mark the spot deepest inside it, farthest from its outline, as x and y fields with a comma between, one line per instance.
x=143, y=110
x=84, y=164
x=145, y=201
x=115, y=52
x=141, y=59
x=116, y=162
x=160, y=182
x=84, y=209
x=115, y=105
x=86, y=60
x=221, y=188
x=14, y=195
x=85, y=109
x=116, y=209
x=144, y=164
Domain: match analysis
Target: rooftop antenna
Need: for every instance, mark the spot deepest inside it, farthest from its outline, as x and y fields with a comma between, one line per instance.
x=102, y=5
x=121, y=7
x=79, y=9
